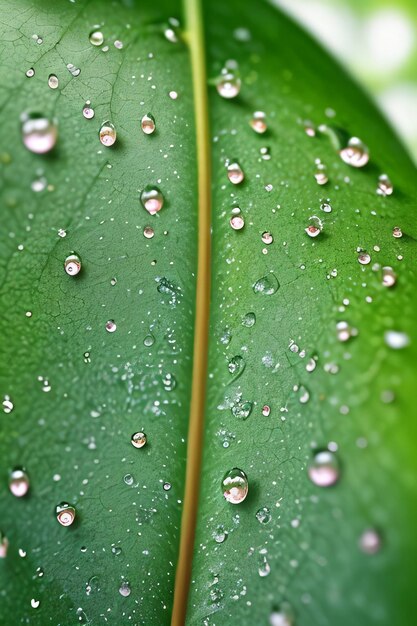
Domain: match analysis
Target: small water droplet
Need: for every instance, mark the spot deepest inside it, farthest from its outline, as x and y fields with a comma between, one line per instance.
x=220, y=534
x=237, y=222
x=303, y=394
x=19, y=482
x=111, y=326
x=65, y=514
x=173, y=95
x=235, y=486
x=62, y=233
x=345, y=331
x=72, y=264
x=96, y=38
x=107, y=134
x=266, y=410
x=235, y=173
x=263, y=515
x=34, y=603
x=118, y=44
x=385, y=186
x=138, y=440
x=236, y=365
x=258, y=122
x=267, y=285
x=282, y=616
x=148, y=232
x=39, y=134
x=326, y=206
x=320, y=175
x=128, y=479
x=87, y=357
x=389, y=277
x=88, y=112
x=249, y=320
x=147, y=124
x=356, y=153
x=324, y=469
x=364, y=258
x=169, y=381
x=228, y=84
x=172, y=30
x=267, y=238
x=53, y=81
x=396, y=339
x=264, y=569
x=397, y=232
x=152, y=199
x=166, y=486
x=4, y=544
x=75, y=71
x=242, y=409
x=8, y=405
x=30, y=72
x=370, y=541
x=124, y=589
x=309, y=128
x=311, y=365
x=116, y=550
x=315, y=226
x=113, y=281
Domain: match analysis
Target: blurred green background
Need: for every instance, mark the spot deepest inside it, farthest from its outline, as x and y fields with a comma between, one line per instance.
x=377, y=41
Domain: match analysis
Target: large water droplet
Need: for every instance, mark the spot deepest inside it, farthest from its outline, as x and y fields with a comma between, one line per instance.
x=315, y=226
x=72, y=264
x=39, y=134
x=235, y=173
x=242, y=409
x=258, y=122
x=147, y=124
x=364, y=258
x=249, y=320
x=235, y=486
x=107, y=134
x=267, y=285
x=65, y=514
x=19, y=482
x=96, y=38
x=138, y=440
x=236, y=366
x=267, y=238
x=228, y=84
x=152, y=199
x=355, y=153
x=324, y=469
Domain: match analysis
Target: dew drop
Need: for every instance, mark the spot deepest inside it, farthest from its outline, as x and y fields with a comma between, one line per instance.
x=172, y=31
x=166, y=486
x=385, y=186
x=138, y=440
x=309, y=128
x=75, y=71
x=96, y=38
x=242, y=409
x=220, y=534
x=396, y=339
x=72, y=265
x=326, y=207
x=65, y=514
x=311, y=365
x=128, y=479
x=152, y=199
x=267, y=238
x=263, y=515
x=88, y=112
x=107, y=134
x=320, y=175
x=30, y=72
x=389, y=277
x=113, y=281
x=397, y=232
x=149, y=340
x=169, y=382
x=116, y=550
x=370, y=541
x=173, y=95
x=118, y=44
x=235, y=486
x=111, y=326
x=148, y=232
x=235, y=173
x=345, y=331
x=124, y=589
x=228, y=84
x=355, y=153
x=34, y=603
x=258, y=122
x=264, y=569
x=19, y=482
x=364, y=258
x=39, y=134
x=324, y=469
x=53, y=81
x=147, y=124
x=8, y=405
x=4, y=544
x=237, y=222
x=267, y=285
x=249, y=320
x=266, y=410
x=236, y=365
x=283, y=616
x=315, y=226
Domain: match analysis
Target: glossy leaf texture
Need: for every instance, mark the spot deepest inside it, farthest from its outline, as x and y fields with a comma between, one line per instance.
x=290, y=553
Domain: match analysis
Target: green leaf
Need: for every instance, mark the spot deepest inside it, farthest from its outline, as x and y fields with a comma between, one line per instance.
x=79, y=392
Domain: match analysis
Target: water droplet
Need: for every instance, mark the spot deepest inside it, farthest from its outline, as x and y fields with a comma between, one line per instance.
x=118, y=44
x=87, y=357
x=138, y=440
x=258, y=122
x=396, y=339
x=237, y=222
x=65, y=514
x=345, y=331
x=96, y=38
x=116, y=550
x=72, y=264
x=75, y=71
x=39, y=134
x=30, y=72
x=315, y=226
x=220, y=534
x=320, y=175
x=266, y=410
x=311, y=365
x=34, y=603
x=364, y=258
x=113, y=281
x=147, y=124
x=152, y=199
x=309, y=128
x=267, y=285
x=397, y=232
x=263, y=515
x=62, y=233
x=249, y=320
x=111, y=326
x=8, y=405
x=92, y=586
x=385, y=186
x=228, y=84
x=242, y=409
x=235, y=173
x=326, y=206
x=166, y=486
x=370, y=541
x=389, y=277
x=107, y=134
x=267, y=238
x=172, y=31
x=169, y=381
x=38, y=39
x=148, y=232
x=264, y=569
x=128, y=479
x=4, y=544
x=173, y=95
x=235, y=486
x=53, y=81
x=303, y=394
x=149, y=340
x=88, y=112
x=19, y=482
x=283, y=616
x=355, y=153
x=324, y=469
x=236, y=365
x=124, y=589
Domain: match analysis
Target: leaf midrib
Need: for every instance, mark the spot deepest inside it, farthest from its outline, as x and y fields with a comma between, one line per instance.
x=195, y=39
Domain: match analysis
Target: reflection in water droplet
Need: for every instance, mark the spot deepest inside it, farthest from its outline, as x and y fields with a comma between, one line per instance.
x=65, y=514
x=370, y=541
x=397, y=232
x=147, y=124
x=242, y=409
x=249, y=320
x=39, y=134
x=228, y=85
x=315, y=226
x=355, y=153
x=267, y=285
x=324, y=469
x=138, y=440
x=19, y=482
x=258, y=122
x=152, y=199
x=107, y=134
x=235, y=173
x=96, y=38
x=72, y=264
x=263, y=515
x=88, y=112
x=235, y=486
x=111, y=326
x=124, y=589
x=385, y=186
x=53, y=81
x=166, y=486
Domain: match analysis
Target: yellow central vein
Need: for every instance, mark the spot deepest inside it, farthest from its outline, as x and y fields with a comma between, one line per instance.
x=195, y=39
